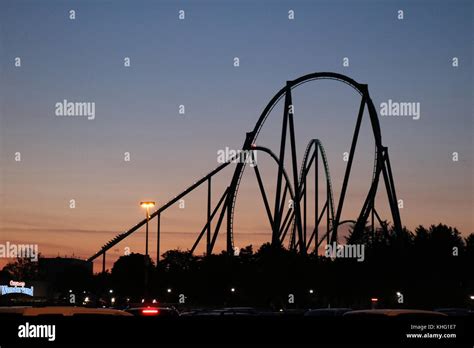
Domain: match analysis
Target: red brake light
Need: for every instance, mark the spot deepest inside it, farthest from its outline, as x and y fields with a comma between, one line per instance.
x=150, y=311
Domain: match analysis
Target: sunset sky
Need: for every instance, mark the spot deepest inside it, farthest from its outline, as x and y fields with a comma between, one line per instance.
x=191, y=62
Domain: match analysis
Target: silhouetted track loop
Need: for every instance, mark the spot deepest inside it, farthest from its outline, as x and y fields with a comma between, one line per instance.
x=295, y=185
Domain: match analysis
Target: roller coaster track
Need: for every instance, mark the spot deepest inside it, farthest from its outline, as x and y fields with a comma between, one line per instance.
x=316, y=143
x=288, y=181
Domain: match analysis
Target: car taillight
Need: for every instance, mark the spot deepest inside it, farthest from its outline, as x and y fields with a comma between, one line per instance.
x=150, y=311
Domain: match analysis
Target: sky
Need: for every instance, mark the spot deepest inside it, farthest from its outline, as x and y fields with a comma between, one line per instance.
x=190, y=62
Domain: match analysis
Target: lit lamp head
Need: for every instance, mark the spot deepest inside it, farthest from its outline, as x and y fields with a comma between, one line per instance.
x=147, y=205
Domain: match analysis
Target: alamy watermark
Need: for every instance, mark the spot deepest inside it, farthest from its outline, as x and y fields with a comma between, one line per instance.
x=37, y=331
x=11, y=250
x=405, y=109
x=355, y=251
x=237, y=156
x=67, y=108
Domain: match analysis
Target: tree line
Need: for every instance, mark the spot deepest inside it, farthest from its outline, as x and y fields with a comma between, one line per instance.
x=430, y=267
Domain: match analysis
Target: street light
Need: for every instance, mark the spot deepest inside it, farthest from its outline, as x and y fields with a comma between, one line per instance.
x=232, y=289
x=169, y=290
x=311, y=291
x=147, y=206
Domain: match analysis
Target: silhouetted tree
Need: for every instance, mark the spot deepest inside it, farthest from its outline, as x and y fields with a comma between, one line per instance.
x=128, y=274
x=432, y=267
x=22, y=269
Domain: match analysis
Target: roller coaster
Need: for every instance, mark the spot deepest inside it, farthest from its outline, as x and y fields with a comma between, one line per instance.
x=291, y=225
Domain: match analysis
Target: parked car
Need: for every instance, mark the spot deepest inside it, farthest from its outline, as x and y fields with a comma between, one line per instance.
x=228, y=311
x=390, y=313
x=152, y=311
x=66, y=311
x=455, y=312
x=327, y=312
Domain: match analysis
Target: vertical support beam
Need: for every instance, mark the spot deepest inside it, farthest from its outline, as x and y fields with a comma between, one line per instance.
x=391, y=193
x=348, y=168
x=396, y=212
x=229, y=231
x=304, y=208
x=316, y=199
x=158, y=237
x=276, y=213
x=372, y=218
x=328, y=222
x=296, y=203
x=208, y=239
x=218, y=225
x=204, y=229
x=103, y=262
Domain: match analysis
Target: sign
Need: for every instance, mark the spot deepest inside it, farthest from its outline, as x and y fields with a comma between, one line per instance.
x=16, y=287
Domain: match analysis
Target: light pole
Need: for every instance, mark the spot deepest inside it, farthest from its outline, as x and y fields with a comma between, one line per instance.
x=147, y=206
